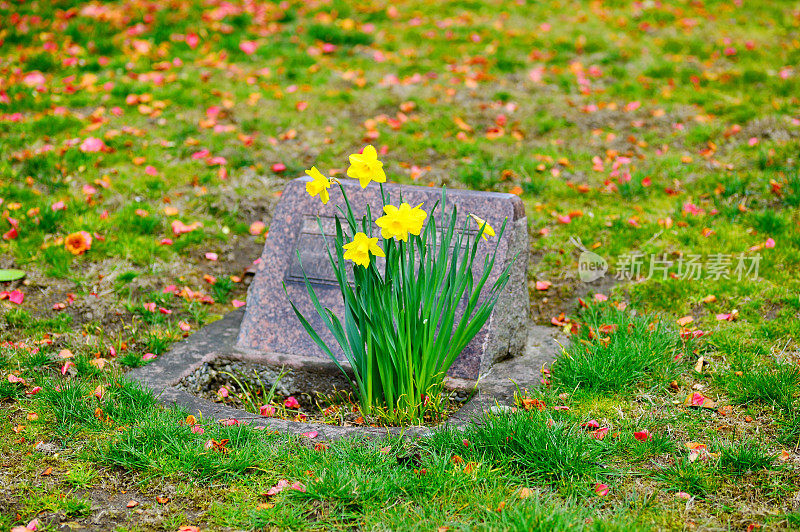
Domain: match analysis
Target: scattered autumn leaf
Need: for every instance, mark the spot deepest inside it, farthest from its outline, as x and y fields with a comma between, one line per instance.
x=524, y=493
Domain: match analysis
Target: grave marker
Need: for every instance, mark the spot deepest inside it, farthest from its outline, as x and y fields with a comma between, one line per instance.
x=269, y=324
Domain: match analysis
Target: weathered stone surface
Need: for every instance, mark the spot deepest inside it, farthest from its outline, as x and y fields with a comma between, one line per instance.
x=269, y=324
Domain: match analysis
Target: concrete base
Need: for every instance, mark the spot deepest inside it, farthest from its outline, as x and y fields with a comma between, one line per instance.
x=218, y=340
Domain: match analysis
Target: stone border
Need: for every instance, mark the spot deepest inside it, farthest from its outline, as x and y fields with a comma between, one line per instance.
x=218, y=340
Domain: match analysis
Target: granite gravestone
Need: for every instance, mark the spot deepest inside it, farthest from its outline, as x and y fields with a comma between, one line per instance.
x=270, y=326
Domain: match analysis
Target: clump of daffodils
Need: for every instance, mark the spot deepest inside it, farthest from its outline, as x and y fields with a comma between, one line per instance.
x=402, y=327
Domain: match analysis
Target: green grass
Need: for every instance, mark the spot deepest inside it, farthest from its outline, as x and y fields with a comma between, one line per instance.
x=40, y=501
x=161, y=445
x=70, y=405
x=746, y=457
x=617, y=350
x=775, y=386
x=82, y=476
x=694, y=478
x=528, y=444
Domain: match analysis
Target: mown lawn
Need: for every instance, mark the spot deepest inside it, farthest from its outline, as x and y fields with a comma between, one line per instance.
x=661, y=136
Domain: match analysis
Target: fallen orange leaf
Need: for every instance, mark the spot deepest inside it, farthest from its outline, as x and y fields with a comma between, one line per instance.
x=524, y=493
x=698, y=399
x=462, y=125
x=699, y=366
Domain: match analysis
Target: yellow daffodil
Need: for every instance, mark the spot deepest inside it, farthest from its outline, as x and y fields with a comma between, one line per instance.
x=398, y=222
x=319, y=185
x=487, y=231
x=359, y=249
x=366, y=167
